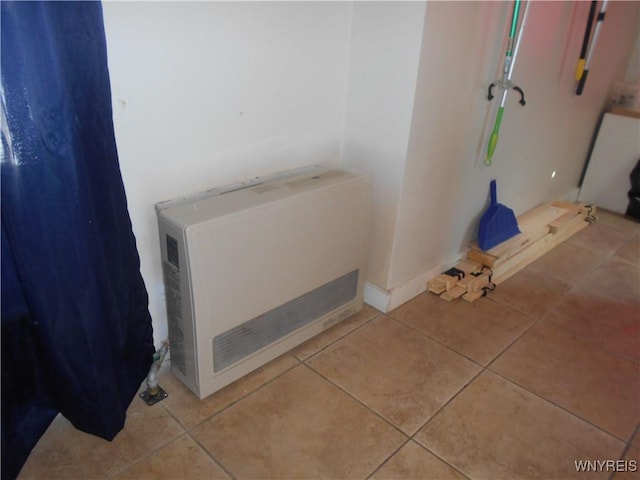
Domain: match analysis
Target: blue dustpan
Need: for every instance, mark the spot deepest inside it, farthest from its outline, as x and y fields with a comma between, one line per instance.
x=498, y=223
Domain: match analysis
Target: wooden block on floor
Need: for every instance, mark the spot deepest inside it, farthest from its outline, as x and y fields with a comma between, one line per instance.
x=473, y=283
x=473, y=296
x=436, y=286
x=453, y=294
x=443, y=282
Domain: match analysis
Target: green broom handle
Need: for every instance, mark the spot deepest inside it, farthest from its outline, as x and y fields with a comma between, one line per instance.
x=514, y=25
x=493, y=141
x=512, y=36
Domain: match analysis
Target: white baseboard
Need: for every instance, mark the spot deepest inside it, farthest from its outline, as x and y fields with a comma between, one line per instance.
x=376, y=297
x=388, y=300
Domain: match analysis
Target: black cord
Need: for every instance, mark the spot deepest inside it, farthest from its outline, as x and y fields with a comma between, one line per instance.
x=491, y=286
x=590, y=218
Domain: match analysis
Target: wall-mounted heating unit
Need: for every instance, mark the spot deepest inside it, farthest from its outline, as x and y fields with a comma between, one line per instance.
x=254, y=269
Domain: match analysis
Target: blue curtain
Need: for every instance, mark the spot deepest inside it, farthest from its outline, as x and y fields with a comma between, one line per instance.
x=76, y=330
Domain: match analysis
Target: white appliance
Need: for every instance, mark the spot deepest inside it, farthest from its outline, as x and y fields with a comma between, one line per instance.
x=616, y=151
x=254, y=269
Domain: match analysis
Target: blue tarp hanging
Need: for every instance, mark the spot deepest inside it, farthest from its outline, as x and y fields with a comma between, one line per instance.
x=76, y=330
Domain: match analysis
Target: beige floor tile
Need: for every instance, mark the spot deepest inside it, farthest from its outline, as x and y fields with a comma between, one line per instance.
x=630, y=251
x=616, y=280
x=413, y=462
x=298, y=426
x=393, y=369
x=478, y=330
x=190, y=410
x=569, y=262
x=589, y=382
x=530, y=291
x=66, y=453
x=182, y=459
x=610, y=324
x=497, y=430
x=329, y=336
x=617, y=220
x=629, y=468
x=605, y=235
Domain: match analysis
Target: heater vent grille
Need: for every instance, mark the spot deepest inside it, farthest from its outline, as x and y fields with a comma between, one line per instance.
x=252, y=335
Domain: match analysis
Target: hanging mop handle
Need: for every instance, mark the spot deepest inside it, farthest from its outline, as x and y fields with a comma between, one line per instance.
x=510, y=61
x=585, y=40
x=585, y=72
x=509, y=57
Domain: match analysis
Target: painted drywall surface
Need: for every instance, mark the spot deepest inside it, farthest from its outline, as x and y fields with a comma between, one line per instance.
x=383, y=66
x=633, y=70
x=445, y=184
x=210, y=93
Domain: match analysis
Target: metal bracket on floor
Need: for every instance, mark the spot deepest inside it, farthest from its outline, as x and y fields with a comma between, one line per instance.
x=151, y=396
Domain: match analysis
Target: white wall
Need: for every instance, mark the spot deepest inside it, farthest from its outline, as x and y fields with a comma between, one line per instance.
x=382, y=74
x=209, y=93
x=445, y=184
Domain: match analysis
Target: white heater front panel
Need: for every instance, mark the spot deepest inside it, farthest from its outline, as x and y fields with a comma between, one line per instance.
x=254, y=270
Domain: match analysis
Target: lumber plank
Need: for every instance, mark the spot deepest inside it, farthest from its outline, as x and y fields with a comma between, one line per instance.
x=441, y=284
x=540, y=216
x=508, y=249
x=543, y=228
x=436, y=286
x=533, y=225
x=444, y=282
x=517, y=263
x=577, y=212
x=508, y=269
x=473, y=296
x=453, y=294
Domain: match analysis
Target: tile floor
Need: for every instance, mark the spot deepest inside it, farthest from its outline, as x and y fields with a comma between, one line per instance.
x=519, y=385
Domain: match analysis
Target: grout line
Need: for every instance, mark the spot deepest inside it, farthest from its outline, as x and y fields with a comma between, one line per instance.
x=148, y=454
x=387, y=459
x=298, y=362
x=547, y=400
x=444, y=405
x=352, y=396
x=210, y=455
x=411, y=437
x=515, y=340
x=529, y=314
x=626, y=449
x=333, y=342
x=250, y=392
x=436, y=340
x=442, y=459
